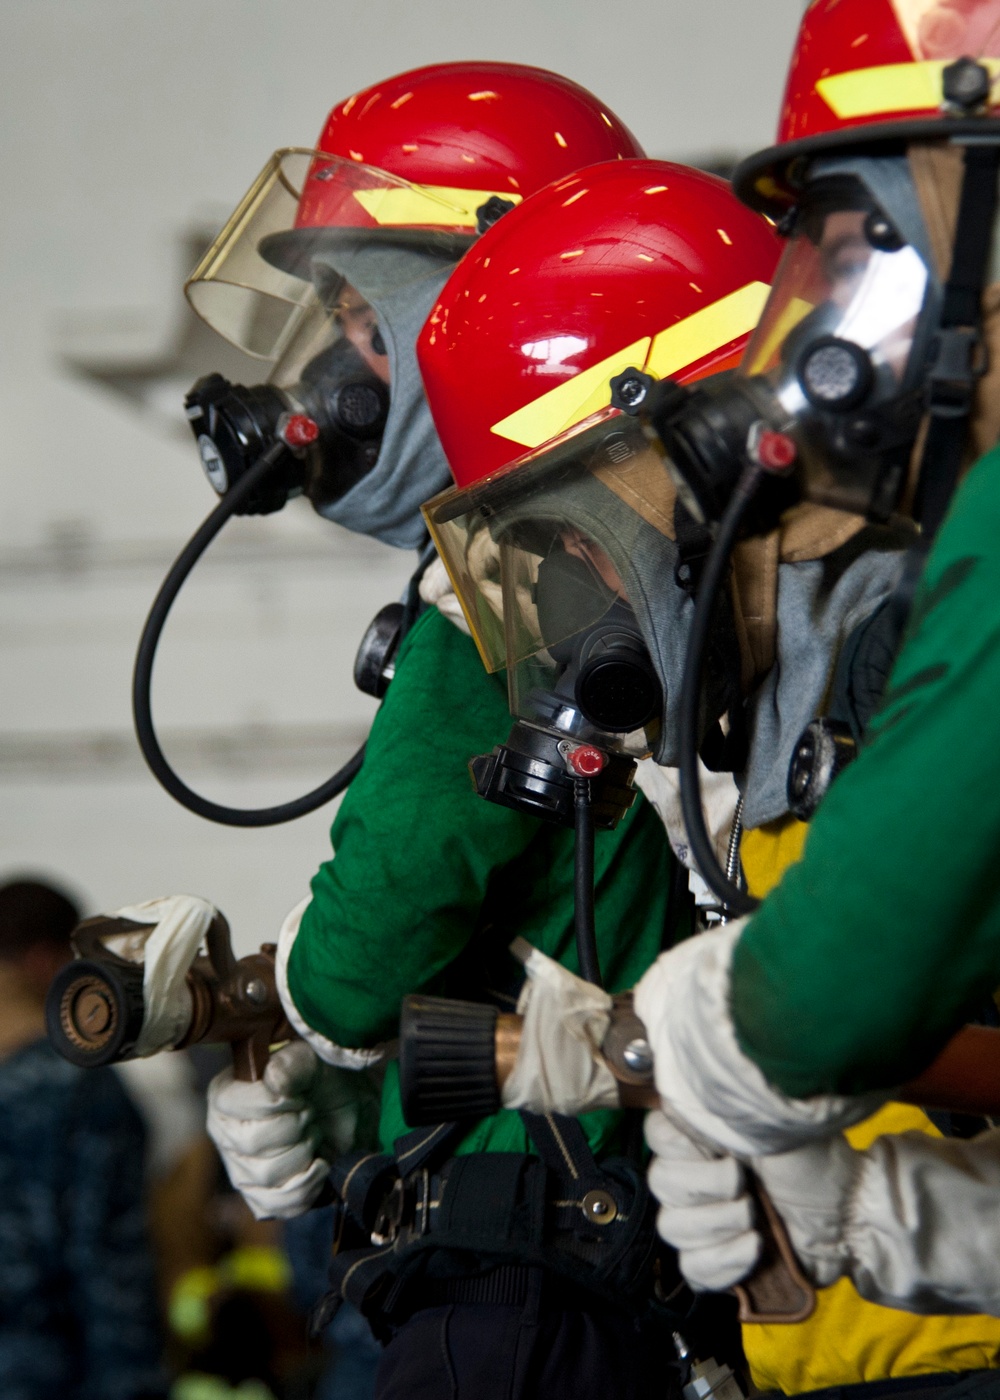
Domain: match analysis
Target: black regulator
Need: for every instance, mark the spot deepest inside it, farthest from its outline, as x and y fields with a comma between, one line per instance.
x=333, y=426
x=567, y=759
x=261, y=445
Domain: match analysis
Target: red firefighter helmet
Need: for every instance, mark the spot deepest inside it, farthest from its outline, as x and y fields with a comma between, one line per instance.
x=464, y=131
x=629, y=263
x=870, y=71
x=633, y=263
x=423, y=159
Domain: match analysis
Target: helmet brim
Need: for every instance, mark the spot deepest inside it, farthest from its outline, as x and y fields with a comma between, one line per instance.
x=769, y=182
x=293, y=250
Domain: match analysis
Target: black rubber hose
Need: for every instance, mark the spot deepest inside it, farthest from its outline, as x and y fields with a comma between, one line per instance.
x=142, y=678
x=735, y=900
x=583, y=884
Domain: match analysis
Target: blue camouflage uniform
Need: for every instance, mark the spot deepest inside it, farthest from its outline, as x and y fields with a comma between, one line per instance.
x=78, y=1312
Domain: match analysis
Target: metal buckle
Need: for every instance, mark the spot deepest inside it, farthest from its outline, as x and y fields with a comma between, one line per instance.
x=390, y=1215
x=959, y=359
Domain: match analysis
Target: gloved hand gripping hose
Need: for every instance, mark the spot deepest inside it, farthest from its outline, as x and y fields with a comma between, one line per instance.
x=143, y=676
x=735, y=900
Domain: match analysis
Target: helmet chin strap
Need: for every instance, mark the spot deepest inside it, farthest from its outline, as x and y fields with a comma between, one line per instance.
x=957, y=356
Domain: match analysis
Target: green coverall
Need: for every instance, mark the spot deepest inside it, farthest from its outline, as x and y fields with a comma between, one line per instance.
x=886, y=935
x=430, y=882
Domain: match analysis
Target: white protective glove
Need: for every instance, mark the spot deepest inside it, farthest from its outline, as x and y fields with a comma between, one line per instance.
x=175, y=930
x=706, y=1082
x=436, y=589
x=708, y=1214
x=705, y=1210
x=558, y=1067
x=278, y=1136
x=922, y=1225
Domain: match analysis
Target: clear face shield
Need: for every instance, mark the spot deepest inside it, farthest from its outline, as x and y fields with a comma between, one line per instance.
x=537, y=554
x=296, y=279
x=834, y=376
x=837, y=357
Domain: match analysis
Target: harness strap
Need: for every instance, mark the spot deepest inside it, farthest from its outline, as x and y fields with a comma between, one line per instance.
x=563, y=1147
x=361, y=1180
x=424, y=1146
x=496, y=1196
x=957, y=351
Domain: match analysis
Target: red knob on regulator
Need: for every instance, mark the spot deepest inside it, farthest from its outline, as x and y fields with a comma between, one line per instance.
x=775, y=452
x=299, y=430
x=586, y=761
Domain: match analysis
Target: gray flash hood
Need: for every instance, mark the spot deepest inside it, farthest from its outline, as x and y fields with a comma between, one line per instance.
x=402, y=284
x=820, y=602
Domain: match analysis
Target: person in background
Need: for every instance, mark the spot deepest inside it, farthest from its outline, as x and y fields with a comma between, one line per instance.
x=78, y=1313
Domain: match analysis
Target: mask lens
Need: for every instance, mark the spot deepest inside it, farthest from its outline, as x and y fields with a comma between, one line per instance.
x=837, y=360
x=569, y=595
x=513, y=543
x=836, y=287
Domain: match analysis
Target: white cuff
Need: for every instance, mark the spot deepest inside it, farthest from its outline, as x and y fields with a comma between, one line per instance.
x=327, y=1050
x=703, y=1077
x=922, y=1224
x=436, y=588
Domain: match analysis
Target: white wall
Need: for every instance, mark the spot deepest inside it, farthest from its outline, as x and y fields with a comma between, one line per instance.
x=124, y=122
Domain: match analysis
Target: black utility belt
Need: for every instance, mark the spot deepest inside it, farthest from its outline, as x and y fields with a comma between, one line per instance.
x=411, y=1216
x=497, y=1195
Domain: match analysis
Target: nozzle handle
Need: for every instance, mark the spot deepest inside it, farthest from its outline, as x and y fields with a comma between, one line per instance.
x=95, y=1006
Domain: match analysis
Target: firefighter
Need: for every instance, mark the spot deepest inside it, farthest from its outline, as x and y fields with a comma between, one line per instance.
x=601, y=496
x=510, y=1282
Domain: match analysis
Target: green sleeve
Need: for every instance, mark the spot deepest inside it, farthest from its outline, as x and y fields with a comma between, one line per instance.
x=884, y=937
x=414, y=844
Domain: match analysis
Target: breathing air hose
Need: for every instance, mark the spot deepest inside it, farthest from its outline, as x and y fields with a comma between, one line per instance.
x=583, y=883
x=142, y=677
x=735, y=900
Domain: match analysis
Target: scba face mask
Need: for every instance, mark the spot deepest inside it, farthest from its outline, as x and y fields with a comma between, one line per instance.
x=326, y=306
x=331, y=417
x=595, y=679
x=560, y=562
x=840, y=371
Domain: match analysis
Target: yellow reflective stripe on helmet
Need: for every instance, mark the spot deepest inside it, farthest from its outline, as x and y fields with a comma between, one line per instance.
x=891, y=87
x=670, y=351
x=707, y=330
x=568, y=402
x=442, y=205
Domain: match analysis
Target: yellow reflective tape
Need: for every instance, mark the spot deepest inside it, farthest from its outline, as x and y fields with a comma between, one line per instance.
x=396, y=205
x=671, y=350
x=568, y=402
x=891, y=87
x=707, y=330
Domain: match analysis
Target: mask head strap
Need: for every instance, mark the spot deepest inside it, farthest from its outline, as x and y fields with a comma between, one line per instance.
x=957, y=359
